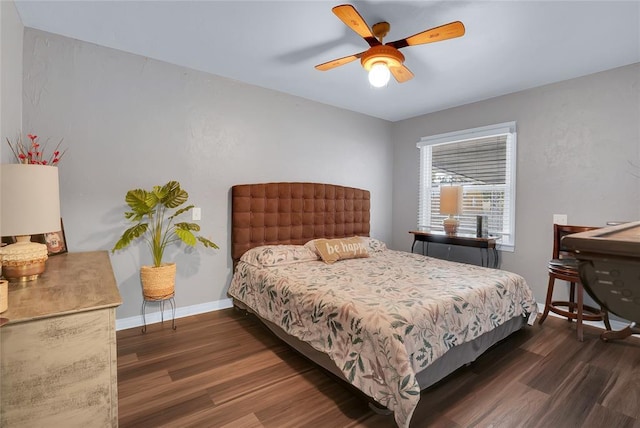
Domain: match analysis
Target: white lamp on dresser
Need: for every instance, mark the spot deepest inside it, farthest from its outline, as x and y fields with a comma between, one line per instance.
x=29, y=205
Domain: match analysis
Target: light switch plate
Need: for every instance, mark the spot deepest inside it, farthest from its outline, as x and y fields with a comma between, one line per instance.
x=196, y=214
x=559, y=219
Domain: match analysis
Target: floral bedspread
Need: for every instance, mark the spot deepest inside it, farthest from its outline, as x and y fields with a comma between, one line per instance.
x=384, y=318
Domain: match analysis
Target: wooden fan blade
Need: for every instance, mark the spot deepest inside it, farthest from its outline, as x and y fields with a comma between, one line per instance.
x=402, y=73
x=352, y=19
x=338, y=62
x=444, y=32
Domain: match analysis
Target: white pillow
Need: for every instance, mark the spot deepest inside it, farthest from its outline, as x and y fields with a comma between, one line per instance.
x=277, y=255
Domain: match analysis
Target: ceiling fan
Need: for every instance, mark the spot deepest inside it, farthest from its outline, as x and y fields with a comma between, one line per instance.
x=381, y=60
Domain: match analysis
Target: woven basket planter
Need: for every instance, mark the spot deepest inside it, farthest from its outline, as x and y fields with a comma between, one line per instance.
x=158, y=283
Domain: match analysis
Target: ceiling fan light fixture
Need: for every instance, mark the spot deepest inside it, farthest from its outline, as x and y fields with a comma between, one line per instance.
x=378, y=60
x=387, y=53
x=379, y=75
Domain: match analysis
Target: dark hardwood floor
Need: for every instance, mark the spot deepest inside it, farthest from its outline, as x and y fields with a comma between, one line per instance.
x=225, y=369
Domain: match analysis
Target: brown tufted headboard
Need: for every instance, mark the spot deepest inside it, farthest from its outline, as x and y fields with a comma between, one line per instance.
x=294, y=213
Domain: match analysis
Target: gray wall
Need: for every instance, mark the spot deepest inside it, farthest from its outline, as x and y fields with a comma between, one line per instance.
x=129, y=122
x=578, y=154
x=11, y=31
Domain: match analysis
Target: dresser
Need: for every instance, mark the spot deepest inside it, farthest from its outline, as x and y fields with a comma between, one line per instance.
x=58, y=365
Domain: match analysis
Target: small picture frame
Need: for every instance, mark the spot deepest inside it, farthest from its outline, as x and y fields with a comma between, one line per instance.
x=8, y=240
x=55, y=241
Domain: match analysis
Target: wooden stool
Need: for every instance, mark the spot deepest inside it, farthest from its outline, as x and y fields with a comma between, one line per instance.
x=564, y=266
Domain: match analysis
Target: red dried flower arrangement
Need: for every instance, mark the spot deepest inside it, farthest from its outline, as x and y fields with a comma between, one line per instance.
x=34, y=153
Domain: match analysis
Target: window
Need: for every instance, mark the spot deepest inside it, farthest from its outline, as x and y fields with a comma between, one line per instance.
x=481, y=160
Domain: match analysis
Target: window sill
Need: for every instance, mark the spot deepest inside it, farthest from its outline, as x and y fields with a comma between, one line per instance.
x=510, y=248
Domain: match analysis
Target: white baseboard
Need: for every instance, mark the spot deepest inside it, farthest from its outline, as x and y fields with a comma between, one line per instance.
x=155, y=317
x=615, y=325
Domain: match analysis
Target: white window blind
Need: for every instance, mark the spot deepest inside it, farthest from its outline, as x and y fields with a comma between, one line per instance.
x=482, y=160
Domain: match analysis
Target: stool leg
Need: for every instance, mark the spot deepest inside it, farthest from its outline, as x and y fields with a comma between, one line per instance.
x=579, y=314
x=605, y=317
x=572, y=299
x=547, y=302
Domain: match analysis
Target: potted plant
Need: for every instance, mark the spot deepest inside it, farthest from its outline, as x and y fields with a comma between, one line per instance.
x=157, y=227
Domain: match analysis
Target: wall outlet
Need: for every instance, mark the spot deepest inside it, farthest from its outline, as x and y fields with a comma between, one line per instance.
x=559, y=219
x=196, y=214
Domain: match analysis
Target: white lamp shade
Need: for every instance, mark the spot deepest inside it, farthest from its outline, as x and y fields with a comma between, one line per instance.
x=29, y=199
x=450, y=200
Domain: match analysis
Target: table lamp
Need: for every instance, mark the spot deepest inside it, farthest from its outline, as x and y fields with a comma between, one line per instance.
x=450, y=204
x=29, y=205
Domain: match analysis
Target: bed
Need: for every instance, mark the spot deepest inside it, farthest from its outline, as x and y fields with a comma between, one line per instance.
x=390, y=323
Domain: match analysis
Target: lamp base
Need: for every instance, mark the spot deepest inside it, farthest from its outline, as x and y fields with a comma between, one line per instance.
x=24, y=273
x=450, y=225
x=23, y=261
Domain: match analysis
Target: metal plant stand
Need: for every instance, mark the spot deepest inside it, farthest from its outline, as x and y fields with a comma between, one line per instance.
x=171, y=300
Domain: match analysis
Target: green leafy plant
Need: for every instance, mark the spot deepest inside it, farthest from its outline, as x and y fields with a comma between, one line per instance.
x=154, y=224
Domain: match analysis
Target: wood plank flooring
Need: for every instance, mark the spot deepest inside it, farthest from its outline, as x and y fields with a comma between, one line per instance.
x=225, y=369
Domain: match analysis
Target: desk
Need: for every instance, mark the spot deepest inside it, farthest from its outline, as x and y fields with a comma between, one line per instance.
x=464, y=240
x=610, y=271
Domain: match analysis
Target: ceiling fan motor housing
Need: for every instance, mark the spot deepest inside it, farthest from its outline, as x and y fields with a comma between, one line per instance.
x=389, y=55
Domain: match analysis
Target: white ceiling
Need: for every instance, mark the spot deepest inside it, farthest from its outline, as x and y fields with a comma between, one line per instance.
x=508, y=45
